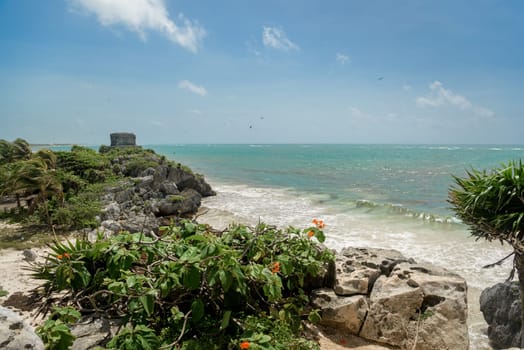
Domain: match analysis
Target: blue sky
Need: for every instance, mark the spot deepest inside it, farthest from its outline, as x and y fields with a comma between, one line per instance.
x=237, y=71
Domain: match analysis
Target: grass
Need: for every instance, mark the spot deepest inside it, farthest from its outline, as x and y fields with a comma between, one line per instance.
x=23, y=236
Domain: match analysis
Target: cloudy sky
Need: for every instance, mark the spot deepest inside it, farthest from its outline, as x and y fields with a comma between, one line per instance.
x=272, y=71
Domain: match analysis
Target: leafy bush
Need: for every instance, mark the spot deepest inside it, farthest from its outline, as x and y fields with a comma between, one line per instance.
x=80, y=210
x=85, y=163
x=54, y=332
x=192, y=289
x=136, y=165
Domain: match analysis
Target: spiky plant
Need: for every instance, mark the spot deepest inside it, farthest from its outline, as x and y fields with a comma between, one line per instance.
x=491, y=203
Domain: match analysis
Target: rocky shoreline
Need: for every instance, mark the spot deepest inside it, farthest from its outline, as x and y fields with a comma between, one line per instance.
x=375, y=297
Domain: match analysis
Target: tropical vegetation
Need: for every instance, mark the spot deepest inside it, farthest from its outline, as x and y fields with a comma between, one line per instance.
x=491, y=203
x=187, y=288
x=61, y=189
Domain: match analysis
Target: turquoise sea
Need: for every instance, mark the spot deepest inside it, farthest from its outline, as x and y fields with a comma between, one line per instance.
x=386, y=196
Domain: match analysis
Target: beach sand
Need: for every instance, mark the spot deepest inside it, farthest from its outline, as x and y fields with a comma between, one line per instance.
x=16, y=280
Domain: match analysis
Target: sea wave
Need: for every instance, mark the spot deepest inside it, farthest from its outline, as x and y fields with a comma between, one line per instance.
x=399, y=209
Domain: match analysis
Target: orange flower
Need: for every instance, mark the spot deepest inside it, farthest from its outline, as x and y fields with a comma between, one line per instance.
x=245, y=345
x=311, y=234
x=59, y=256
x=276, y=267
x=66, y=255
x=318, y=223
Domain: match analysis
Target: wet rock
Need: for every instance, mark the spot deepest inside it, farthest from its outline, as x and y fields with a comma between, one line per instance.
x=501, y=307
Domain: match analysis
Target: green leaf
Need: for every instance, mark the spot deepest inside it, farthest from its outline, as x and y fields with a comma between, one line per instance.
x=314, y=316
x=131, y=281
x=197, y=310
x=191, y=279
x=148, y=301
x=225, y=320
x=225, y=279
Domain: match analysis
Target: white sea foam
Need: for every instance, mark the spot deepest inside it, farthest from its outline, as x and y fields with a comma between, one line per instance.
x=445, y=245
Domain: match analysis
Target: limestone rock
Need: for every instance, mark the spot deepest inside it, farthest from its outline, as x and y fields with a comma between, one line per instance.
x=405, y=301
x=29, y=255
x=16, y=334
x=111, y=211
x=358, y=268
x=91, y=332
x=344, y=313
x=187, y=202
x=501, y=307
x=422, y=302
x=111, y=225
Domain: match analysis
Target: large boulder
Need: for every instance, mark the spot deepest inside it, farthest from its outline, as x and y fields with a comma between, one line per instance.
x=345, y=313
x=501, y=307
x=91, y=332
x=418, y=303
x=358, y=268
x=382, y=296
x=188, y=201
x=16, y=334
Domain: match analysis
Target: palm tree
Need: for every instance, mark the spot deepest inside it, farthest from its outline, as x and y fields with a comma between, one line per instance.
x=10, y=152
x=492, y=205
x=34, y=176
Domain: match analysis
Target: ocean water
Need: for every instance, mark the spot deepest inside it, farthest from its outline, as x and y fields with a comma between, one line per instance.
x=384, y=196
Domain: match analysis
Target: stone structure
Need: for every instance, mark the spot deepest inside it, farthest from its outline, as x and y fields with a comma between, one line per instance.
x=382, y=296
x=501, y=308
x=119, y=139
x=16, y=334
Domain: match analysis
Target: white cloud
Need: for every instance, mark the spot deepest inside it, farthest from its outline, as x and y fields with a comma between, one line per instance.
x=342, y=59
x=356, y=113
x=439, y=96
x=186, y=84
x=144, y=15
x=195, y=111
x=406, y=87
x=275, y=38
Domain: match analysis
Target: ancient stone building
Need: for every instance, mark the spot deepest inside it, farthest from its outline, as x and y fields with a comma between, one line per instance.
x=119, y=139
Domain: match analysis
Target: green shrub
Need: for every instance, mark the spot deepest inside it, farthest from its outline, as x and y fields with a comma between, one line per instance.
x=191, y=289
x=80, y=210
x=136, y=165
x=175, y=198
x=55, y=332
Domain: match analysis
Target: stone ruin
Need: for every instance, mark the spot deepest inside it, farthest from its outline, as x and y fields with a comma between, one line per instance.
x=122, y=139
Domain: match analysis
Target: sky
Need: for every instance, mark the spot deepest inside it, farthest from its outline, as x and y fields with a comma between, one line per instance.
x=273, y=71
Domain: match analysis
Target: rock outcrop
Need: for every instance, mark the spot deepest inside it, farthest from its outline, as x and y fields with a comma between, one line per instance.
x=119, y=139
x=501, y=308
x=382, y=296
x=16, y=334
x=92, y=332
x=139, y=203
